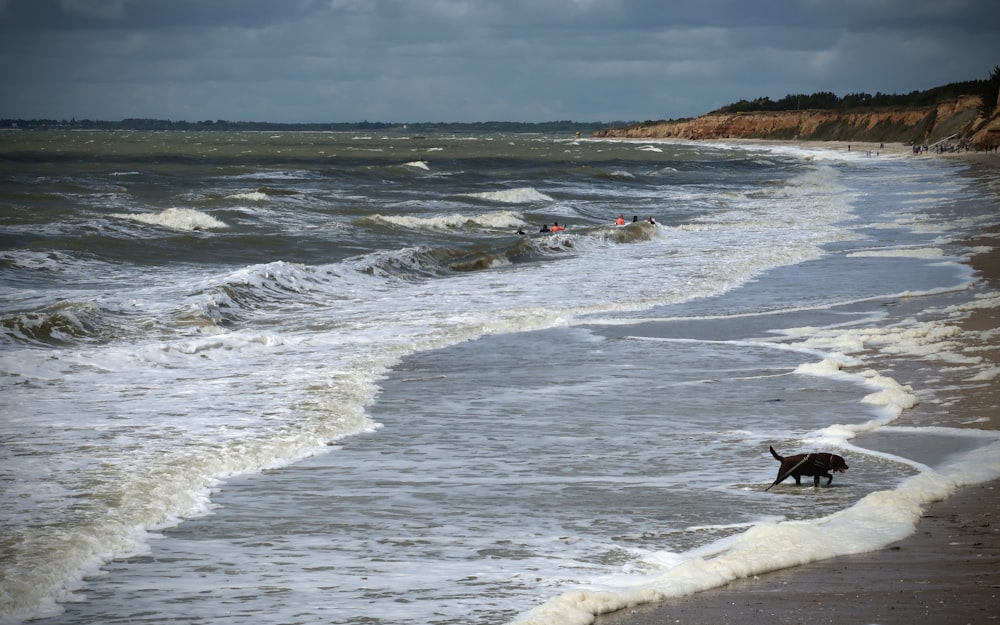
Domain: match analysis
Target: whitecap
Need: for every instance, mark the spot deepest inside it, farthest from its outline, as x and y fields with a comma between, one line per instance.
x=500, y=219
x=252, y=196
x=521, y=195
x=176, y=219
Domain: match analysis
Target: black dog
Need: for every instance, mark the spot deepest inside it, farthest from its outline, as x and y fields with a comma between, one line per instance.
x=816, y=465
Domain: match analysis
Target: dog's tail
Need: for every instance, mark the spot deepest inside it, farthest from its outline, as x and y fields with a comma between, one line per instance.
x=775, y=454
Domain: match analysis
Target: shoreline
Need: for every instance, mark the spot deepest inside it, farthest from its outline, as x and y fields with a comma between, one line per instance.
x=946, y=572
x=871, y=149
x=943, y=574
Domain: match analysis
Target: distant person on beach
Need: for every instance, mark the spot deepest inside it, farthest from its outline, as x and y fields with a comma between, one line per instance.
x=545, y=228
x=620, y=221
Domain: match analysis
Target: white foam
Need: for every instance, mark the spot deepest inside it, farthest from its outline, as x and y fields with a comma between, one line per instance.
x=986, y=375
x=980, y=301
x=620, y=173
x=931, y=339
x=498, y=219
x=522, y=195
x=922, y=252
x=252, y=196
x=176, y=218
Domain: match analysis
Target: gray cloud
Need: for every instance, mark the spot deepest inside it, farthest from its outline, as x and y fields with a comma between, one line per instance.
x=471, y=60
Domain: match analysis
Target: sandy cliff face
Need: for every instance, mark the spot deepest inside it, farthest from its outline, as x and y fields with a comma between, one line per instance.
x=925, y=124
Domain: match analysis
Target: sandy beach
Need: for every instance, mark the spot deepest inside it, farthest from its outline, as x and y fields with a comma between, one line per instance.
x=946, y=573
x=874, y=150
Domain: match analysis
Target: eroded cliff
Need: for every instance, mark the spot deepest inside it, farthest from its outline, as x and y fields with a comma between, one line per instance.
x=908, y=125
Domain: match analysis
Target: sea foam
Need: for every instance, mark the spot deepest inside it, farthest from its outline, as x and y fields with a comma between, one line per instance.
x=500, y=219
x=523, y=195
x=252, y=196
x=176, y=219
x=922, y=252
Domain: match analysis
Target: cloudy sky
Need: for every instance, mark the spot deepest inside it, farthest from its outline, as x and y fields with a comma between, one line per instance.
x=472, y=60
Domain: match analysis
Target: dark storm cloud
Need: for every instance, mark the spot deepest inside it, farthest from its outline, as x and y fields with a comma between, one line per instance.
x=466, y=60
x=143, y=14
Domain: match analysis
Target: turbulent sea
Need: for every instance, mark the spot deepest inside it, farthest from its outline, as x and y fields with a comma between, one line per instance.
x=322, y=378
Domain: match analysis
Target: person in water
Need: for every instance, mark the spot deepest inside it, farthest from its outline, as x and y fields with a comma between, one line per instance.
x=650, y=220
x=556, y=227
x=620, y=221
x=545, y=228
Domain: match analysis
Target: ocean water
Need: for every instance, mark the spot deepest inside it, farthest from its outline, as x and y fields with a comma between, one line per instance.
x=321, y=377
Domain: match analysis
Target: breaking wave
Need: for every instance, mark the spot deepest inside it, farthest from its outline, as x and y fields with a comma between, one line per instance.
x=184, y=219
x=64, y=323
x=500, y=220
x=522, y=195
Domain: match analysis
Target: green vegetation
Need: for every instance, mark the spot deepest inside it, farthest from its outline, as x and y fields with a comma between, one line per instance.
x=854, y=101
x=989, y=93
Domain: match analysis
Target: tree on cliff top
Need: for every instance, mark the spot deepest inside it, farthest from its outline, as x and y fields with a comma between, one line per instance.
x=852, y=101
x=990, y=92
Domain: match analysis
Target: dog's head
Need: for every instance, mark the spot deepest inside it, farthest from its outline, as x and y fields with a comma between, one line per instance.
x=837, y=463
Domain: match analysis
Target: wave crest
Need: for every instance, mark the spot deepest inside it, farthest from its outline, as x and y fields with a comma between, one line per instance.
x=497, y=220
x=184, y=219
x=250, y=196
x=256, y=287
x=521, y=195
x=61, y=324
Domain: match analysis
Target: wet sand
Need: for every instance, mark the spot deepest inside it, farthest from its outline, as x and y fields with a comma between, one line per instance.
x=946, y=573
x=874, y=150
